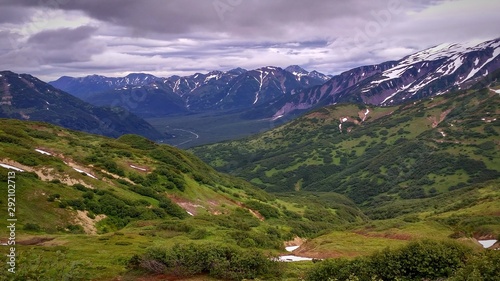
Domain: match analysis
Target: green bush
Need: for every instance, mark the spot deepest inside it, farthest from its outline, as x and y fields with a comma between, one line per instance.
x=172, y=209
x=482, y=267
x=219, y=261
x=419, y=260
x=31, y=227
x=265, y=210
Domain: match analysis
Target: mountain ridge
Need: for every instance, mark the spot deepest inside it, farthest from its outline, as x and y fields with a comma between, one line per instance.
x=216, y=90
x=26, y=97
x=430, y=72
x=273, y=92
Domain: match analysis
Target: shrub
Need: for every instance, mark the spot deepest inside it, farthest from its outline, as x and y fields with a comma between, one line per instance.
x=171, y=208
x=265, y=210
x=484, y=266
x=53, y=197
x=219, y=261
x=419, y=260
x=31, y=227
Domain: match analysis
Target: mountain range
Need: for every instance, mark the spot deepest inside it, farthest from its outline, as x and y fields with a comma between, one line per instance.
x=427, y=73
x=28, y=98
x=150, y=96
x=273, y=92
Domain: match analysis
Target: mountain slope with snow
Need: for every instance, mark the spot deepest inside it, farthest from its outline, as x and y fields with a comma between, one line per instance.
x=216, y=90
x=430, y=72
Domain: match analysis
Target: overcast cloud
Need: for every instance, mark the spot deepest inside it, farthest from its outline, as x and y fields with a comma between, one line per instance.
x=51, y=38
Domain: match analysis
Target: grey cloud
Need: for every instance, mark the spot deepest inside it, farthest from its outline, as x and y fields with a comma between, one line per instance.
x=63, y=45
x=246, y=19
x=62, y=37
x=174, y=36
x=11, y=14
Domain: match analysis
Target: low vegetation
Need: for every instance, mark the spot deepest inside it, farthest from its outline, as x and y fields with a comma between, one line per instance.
x=419, y=260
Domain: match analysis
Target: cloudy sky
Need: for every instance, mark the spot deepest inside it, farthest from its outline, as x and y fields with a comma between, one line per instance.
x=51, y=38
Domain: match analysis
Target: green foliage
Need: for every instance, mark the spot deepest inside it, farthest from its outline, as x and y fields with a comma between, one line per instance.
x=33, y=265
x=136, y=141
x=31, y=227
x=239, y=219
x=265, y=210
x=219, y=261
x=178, y=226
x=172, y=209
x=484, y=266
x=412, y=152
x=419, y=260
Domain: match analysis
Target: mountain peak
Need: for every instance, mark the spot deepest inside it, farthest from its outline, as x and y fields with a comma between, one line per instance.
x=296, y=69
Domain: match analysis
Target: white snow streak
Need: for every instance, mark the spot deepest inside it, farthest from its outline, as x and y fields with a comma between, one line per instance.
x=42, y=152
x=83, y=172
x=11, y=167
x=292, y=258
x=138, y=168
x=366, y=114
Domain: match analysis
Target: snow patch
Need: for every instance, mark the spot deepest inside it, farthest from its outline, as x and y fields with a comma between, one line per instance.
x=11, y=167
x=292, y=258
x=487, y=243
x=210, y=77
x=366, y=114
x=494, y=56
x=277, y=117
x=291, y=248
x=43, y=152
x=138, y=168
x=83, y=172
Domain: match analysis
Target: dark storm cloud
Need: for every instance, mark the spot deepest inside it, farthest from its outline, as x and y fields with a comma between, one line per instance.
x=251, y=18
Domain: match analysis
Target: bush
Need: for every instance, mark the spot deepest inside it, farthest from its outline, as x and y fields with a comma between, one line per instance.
x=53, y=197
x=219, y=261
x=419, y=260
x=31, y=227
x=172, y=209
x=265, y=210
x=484, y=267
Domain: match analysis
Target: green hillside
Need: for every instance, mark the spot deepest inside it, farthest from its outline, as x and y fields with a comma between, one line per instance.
x=417, y=150
x=95, y=208
x=89, y=204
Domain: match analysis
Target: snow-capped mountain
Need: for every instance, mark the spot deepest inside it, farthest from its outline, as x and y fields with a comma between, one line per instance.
x=273, y=91
x=215, y=90
x=430, y=72
x=83, y=87
x=306, y=76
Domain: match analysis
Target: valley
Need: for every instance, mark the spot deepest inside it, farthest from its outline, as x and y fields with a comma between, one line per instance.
x=185, y=131
x=383, y=172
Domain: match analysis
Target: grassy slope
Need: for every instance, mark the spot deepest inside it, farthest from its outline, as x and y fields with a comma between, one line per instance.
x=414, y=151
x=131, y=202
x=428, y=169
